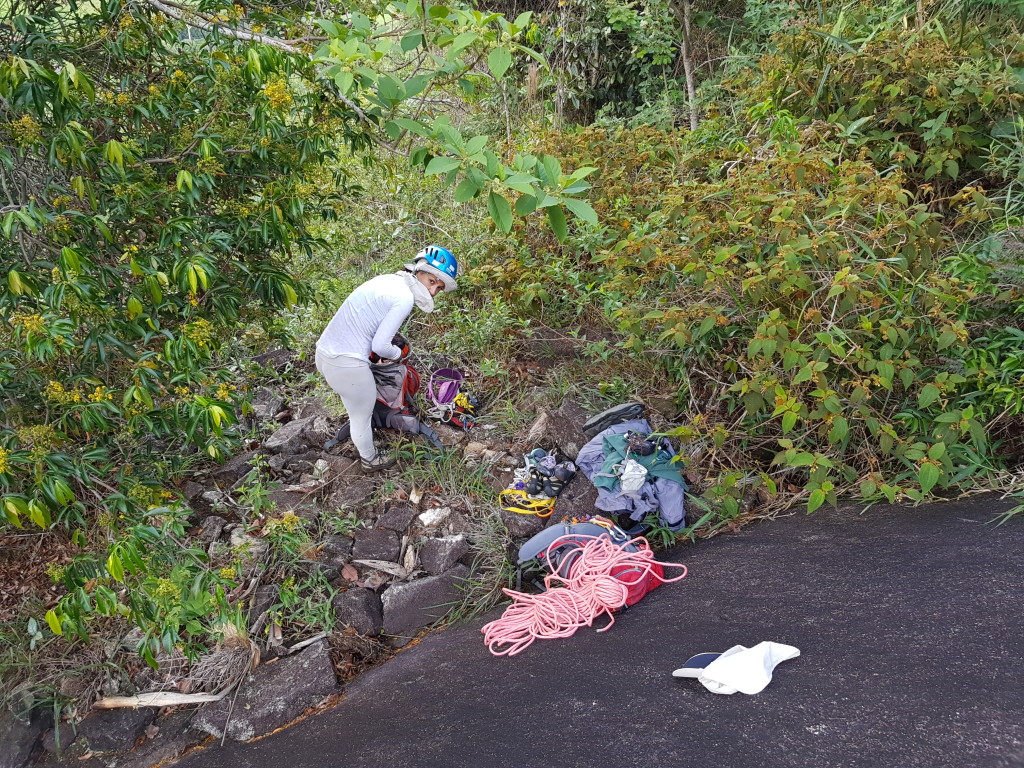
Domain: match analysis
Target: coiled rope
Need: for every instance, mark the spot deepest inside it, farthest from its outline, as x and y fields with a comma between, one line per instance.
x=591, y=589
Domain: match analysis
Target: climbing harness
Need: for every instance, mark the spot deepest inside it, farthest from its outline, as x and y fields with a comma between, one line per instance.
x=603, y=577
x=513, y=500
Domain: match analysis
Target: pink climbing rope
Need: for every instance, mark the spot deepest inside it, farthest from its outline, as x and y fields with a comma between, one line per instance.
x=598, y=582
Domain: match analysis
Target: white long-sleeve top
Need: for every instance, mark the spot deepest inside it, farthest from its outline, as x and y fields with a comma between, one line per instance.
x=368, y=320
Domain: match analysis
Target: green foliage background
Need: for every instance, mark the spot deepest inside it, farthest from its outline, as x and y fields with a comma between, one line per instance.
x=825, y=274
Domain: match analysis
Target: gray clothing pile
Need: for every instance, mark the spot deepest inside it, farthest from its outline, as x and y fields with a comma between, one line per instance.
x=657, y=494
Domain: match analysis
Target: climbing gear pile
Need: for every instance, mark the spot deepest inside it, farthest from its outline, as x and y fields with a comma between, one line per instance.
x=448, y=403
x=617, y=414
x=536, y=485
x=598, y=575
x=632, y=475
x=639, y=444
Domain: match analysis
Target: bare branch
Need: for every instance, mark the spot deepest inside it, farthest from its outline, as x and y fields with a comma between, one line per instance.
x=207, y=24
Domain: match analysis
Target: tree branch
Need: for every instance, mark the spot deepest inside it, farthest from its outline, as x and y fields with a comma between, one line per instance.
x=196, y=19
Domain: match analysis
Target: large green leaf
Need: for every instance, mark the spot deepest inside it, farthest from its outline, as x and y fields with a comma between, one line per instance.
x=466, y=190
x=581, y=209
x=556, y=217
x=498, y=61
x=439, y=165
x=500, y=211
x=928, y=476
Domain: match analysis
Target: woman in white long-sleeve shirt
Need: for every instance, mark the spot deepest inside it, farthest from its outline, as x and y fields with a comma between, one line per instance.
x=366, y=323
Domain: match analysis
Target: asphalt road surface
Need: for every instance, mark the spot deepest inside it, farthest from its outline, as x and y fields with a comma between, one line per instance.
x=909, y=624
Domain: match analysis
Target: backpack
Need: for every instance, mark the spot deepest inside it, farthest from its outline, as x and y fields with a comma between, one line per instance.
x=397, y=386
x=556, y=548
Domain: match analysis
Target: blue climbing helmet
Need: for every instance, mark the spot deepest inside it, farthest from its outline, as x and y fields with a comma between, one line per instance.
x=437, y=261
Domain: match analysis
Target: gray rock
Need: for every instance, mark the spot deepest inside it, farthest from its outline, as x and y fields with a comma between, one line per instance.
x=320, y=430
x=301, y=504
x=263, y=599
x=212, y=526
x=174, y=736
x=438, y=555
x=398, y=517
x=266, y=403
x=56, y=742
x=302, y=462
x=474, y=450
x=248, y=546
x=538, y=431
x=277, y=462
x=193, y=491
x=234, y=469
x=310, y=407
x=340, y=467
x=19, y=738
x=457, y=523
x=560, y=428
x=213, y=497
x=289, y=438
x=522, y=526
x=360, y=609
x=434, y=518
x=111, y=730
x=417, y=604
x=272, y=695
x=377, y=544
x=337, y=549
x=355, y=494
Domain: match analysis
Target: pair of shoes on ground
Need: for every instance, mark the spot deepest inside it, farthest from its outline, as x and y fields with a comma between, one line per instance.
x=550, y=483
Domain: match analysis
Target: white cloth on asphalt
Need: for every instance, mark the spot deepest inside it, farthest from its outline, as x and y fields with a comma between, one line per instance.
x=353, y=381
x=741, y=669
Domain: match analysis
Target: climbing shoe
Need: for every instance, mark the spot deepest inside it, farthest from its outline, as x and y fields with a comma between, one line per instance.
x=535, y=483
x=559, y=479
x=377, y=463
x=614, y=415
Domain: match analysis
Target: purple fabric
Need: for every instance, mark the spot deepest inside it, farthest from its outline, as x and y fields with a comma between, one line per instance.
x=447, y=385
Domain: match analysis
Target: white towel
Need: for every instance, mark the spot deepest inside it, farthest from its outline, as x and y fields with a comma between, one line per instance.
x=742, y=669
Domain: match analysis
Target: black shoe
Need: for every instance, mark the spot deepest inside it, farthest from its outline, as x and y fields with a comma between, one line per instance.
x=535, y=485
x=340, y=437
x=615, y=415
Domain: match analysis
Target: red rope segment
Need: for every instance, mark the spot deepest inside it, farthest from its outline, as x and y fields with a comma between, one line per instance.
x=590, y=590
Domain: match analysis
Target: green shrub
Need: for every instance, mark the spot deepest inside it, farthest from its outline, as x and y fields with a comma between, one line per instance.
x=824, y=336
x=927, y=101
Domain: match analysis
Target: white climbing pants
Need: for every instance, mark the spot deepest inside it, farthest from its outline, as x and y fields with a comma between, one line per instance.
x=353, y=381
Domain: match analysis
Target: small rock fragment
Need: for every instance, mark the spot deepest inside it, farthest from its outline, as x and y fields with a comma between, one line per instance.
x=434, y=518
